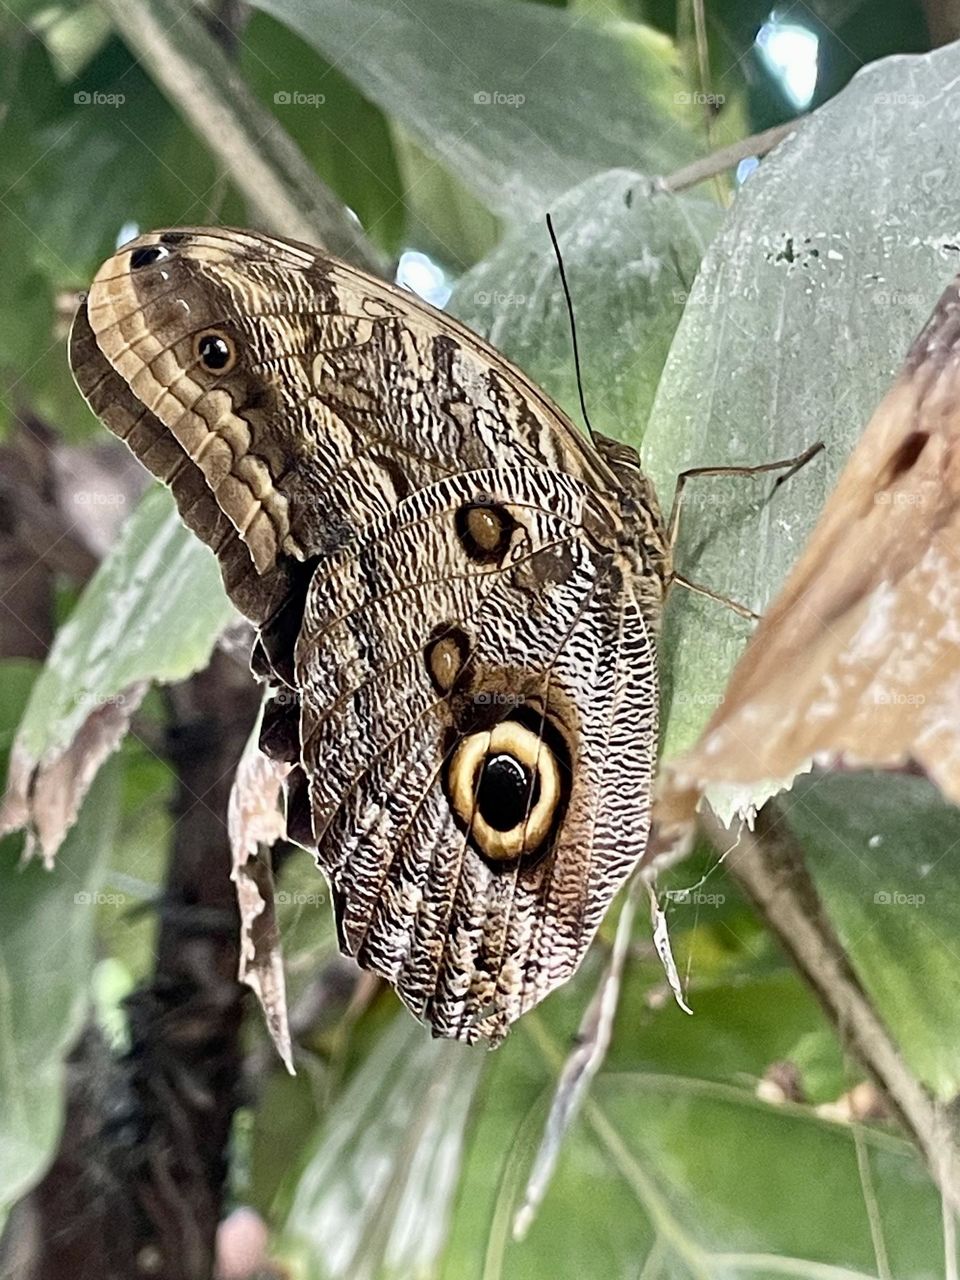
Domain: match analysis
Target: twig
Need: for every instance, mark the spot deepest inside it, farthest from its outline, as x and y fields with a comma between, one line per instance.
x=281, y=188
x=769, y=865
x=758, y=144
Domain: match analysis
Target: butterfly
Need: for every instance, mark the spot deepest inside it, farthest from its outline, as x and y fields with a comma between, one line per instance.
x=457, y=596
x=856, y=661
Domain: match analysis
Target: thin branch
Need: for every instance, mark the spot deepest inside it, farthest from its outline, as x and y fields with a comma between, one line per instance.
x=284, y=193
x=769, y=865
x=758, y=144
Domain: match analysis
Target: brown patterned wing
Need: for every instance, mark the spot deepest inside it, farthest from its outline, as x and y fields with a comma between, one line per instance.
x=858, y=659
x=288, y=399
x=455, y=609
x=478, y=742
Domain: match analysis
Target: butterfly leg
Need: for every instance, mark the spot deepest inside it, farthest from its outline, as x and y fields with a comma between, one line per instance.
x=698, y=590
x=789, y=467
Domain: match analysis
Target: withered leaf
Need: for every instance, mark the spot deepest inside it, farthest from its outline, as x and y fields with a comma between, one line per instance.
x=857, y=662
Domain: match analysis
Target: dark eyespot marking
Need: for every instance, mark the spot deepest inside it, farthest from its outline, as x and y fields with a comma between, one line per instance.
x=445, y=657
x=485, y=531
x=215, y=351
x=507, y=792
x=507, y=789
x=146, y=255
x=173, y=237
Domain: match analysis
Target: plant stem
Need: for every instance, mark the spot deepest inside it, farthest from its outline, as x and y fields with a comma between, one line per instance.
x=768, y=864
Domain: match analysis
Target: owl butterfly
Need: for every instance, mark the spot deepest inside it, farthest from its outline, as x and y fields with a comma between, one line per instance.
x=858, y=659
x=457, y=599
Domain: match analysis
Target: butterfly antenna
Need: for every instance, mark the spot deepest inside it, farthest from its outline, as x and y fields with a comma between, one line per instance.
x=573, y=328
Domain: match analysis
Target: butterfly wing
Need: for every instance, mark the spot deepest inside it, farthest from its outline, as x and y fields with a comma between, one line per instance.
x=459, y=637
x=419, y=663
x=338, y=397
x=858, y=658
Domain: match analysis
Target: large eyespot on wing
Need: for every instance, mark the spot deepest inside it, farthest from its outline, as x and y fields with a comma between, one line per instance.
x=508, y=785
x=479, y=733
x=857, y=659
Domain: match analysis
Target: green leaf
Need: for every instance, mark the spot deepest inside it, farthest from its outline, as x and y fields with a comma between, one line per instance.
x=33, y=372
x=675, y=1164
x=46, y=954
x=831, y=259
x=630, y=255
x=152, y=611
x=519, y=101
x=884, y=853
x=114, y=154
x=373, y=1199
x=444, y=219
x=725, y=1182
x=344, y=136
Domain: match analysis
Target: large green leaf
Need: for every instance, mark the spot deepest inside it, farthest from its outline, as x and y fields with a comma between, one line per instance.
x=46, y=954
x=630, y=255
x=33, y=372
x=152, y=612
x=519, y=101
x=344, y=137
x=885, y=852
x=733, y=1187
x=676, y=1165
x=444, y=219
x=374, y=1197
x=113, y=154
x=831, y=259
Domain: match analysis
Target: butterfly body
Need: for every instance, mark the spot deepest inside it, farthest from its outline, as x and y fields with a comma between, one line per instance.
x=457, y=598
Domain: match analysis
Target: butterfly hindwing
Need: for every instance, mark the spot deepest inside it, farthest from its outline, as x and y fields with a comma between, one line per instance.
x=412, y=646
